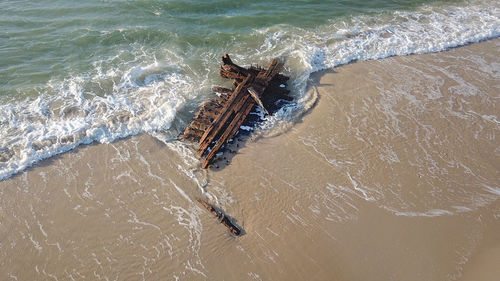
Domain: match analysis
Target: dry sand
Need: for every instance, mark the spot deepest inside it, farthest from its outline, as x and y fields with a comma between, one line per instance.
x=393, y=174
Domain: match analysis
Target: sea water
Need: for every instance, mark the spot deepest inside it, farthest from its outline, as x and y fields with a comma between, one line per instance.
x=74, y=72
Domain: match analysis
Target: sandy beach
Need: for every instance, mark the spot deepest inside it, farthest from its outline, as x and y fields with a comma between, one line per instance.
x=392, y=174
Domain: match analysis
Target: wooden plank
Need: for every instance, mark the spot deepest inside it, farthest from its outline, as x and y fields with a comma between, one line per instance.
x=228, y=64
x=200, y=124
x=224, y=219
x=233, y=130
x=230, y=130
x=256, y=96
x=222, y=90
x=230, y=74
x=260, y=83
x=271, y=67
x=202, y=113
x=238, y=104
x=221, y=119
x=191, y=134
x=277, y=68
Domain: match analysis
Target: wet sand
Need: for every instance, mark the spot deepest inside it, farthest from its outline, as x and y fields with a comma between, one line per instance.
x=391, y=175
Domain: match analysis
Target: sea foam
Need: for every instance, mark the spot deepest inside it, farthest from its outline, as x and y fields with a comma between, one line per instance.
x=146, y=96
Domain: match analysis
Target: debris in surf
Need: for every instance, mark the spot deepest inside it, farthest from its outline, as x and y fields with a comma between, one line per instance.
x=223, y=218
x=219, y=119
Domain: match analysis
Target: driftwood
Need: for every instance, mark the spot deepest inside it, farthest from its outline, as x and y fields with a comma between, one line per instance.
x=218, y=119
x=222, y=217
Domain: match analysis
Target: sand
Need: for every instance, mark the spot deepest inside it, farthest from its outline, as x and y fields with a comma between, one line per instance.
x=392, y=174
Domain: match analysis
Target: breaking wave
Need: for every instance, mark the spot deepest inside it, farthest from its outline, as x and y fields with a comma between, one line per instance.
x=149, y=95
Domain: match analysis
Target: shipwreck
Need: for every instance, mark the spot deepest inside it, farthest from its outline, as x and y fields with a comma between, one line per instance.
x=219, y=118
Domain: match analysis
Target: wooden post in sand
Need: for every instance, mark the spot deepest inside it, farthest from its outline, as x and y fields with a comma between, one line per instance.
x=222, y=217
x=218, y=119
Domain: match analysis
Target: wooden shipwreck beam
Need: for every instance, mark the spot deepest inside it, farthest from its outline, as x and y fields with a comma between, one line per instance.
x=223, y=218
x=218, y=119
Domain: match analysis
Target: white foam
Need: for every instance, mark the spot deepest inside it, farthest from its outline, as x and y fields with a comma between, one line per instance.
x=493, y=190
x=246, y=128
x=429, y=213
x=144, y=100
x=181, y=191
x=431, y=28
x=144, y=95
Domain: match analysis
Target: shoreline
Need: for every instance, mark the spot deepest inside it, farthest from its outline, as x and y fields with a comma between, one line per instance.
x=385, y=178
x=305, y=145
x=5, y=154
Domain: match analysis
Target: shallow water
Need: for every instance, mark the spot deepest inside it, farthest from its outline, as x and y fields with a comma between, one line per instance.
x=77, y=73
x=382, y=170
x=392, y=175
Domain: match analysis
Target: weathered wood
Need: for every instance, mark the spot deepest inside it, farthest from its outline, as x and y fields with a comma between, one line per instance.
x=222, y=90
x=227, y=63
x=271, y=72
x=191, y=134
x=232, y=75
x=260, y=82
x=231, y=129
x=212, y=131
x=218, y=137
x=200, y=124
x=219, y=119
x=256, y=69
x=203, y=118
x=206, y=114
x=256, y=97
x=223, y=218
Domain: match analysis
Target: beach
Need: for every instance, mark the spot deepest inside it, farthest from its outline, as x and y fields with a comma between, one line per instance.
x=391, y=174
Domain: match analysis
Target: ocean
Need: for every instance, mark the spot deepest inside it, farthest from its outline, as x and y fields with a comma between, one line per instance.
x=74, y=73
